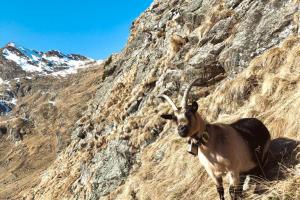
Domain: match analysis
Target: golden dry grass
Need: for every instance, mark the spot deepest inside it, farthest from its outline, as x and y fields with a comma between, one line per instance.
x=23, y=163
x=268, y=89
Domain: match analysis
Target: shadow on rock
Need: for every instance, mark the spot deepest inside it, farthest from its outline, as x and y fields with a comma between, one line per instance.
x=284, y=154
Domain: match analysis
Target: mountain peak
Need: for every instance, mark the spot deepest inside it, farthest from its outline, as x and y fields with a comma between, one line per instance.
x=10, y=44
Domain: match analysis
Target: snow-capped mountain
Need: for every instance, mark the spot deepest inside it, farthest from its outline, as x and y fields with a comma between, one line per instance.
x=19, y=65
x=36, y=62
x=7, y=97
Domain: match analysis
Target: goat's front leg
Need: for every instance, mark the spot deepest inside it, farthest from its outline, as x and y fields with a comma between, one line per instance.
x=220, y=188
x=218, y=182
x=234, y=189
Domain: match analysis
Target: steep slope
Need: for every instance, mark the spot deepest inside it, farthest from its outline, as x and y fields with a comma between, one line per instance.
x=40, y=125
x=121, y=149
x=267, y=89
x=41, y=96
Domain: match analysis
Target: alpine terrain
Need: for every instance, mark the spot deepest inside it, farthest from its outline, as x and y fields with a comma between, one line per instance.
x=75, y=128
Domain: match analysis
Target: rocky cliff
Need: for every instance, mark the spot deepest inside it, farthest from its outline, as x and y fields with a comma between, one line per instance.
x=121, y=149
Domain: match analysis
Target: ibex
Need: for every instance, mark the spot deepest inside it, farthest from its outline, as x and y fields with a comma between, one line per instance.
x=236, y=149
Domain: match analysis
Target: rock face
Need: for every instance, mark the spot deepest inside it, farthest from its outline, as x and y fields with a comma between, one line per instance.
x=121, y=149
x=4, y=108
x=3, y=131
x=112, y=167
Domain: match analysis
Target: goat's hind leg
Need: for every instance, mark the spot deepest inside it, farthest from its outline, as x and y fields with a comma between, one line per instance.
x=239, y=189
x=234, y=185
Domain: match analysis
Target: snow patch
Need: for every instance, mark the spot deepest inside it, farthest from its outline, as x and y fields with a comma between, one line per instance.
x=50, y=63
x=14, y=101
x=17, y=80
x=52, y=102
x=66, y=72
x=22, y=62
x=11, y=44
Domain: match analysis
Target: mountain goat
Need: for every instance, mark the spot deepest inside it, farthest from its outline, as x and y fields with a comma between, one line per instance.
x=236, y=149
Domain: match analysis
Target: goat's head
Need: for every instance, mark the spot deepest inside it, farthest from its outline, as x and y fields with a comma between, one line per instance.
x=186, y=117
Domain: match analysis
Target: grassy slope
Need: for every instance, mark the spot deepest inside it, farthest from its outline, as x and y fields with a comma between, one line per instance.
x=275, y=99
x=22, y=163
x=267, y=89
x=166, y=170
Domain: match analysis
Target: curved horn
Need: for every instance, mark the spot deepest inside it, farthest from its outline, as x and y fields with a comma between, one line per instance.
x=169, y=100
x=210, y=81
x=186, y=93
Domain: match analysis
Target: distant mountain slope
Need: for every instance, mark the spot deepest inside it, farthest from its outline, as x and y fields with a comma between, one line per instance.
x=40, y=125
x=18, y=61
x=18, y=64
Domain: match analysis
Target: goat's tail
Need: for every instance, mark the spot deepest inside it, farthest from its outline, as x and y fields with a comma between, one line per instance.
x=265, y=152
x=261, y=155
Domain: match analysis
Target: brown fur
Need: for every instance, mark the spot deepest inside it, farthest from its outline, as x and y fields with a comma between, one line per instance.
x=227, y=151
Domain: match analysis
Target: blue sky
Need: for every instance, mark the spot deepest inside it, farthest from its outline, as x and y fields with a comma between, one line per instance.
x=94, y=28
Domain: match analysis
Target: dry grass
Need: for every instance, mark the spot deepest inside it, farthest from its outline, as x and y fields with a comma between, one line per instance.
x=269, y=90
x=217, y=13
x=23, y=163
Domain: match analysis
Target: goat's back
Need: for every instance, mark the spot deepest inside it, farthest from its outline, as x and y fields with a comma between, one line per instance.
x=256, y=134
x=253, y=131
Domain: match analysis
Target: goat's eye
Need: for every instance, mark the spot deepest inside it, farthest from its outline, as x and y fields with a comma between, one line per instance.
x=169, y=117
x=188, y=115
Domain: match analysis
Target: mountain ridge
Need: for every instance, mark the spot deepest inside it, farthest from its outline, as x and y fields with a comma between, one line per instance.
x=52, y=62
x=18, y=63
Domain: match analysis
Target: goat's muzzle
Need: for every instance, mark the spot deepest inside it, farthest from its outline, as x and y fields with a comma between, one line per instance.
x=183, y=130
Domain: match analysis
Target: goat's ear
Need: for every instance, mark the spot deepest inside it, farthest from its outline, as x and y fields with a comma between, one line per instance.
x=168, y=116
x=194, y=107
